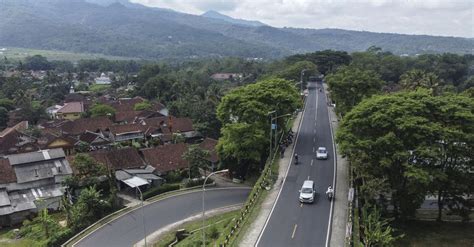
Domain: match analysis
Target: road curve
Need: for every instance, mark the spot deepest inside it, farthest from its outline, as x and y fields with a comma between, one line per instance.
x=128, y=229
x=292, y=223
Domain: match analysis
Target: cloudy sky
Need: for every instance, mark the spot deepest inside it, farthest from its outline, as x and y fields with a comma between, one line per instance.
x=433, y=17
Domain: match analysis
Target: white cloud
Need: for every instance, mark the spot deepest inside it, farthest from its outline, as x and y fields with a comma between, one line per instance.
x=434, y=17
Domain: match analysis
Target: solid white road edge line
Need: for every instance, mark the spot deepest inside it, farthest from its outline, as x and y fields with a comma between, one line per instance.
x=333, y=179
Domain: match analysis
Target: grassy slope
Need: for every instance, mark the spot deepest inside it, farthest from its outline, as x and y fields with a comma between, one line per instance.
x=21, y=53
x=434, y=234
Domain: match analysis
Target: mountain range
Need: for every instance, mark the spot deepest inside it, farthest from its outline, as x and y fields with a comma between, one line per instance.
x=121, y=28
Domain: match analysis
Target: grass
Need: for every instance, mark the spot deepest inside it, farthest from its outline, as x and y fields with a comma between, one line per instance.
x=436, y=234
x=214, y=224
x=21, y=53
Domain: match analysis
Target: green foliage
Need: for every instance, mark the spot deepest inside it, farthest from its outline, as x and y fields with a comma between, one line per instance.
x=415, y=78
x=294, y=71
x=196, y=158
x=8, y=104
x=37, y=62
x=350, y=85
x=87, y=173
x=409, y=144
x=3, y=118
x=326, y=61
x=160, y=190
x=377, y=231
x=145, y=105
x=89, y=208
x=102, y=110
x=244, y=113
x=97, y=88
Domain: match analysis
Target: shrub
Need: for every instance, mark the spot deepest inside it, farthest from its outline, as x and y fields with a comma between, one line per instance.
x=160, y=190
x=60, y=237
x=198, y=182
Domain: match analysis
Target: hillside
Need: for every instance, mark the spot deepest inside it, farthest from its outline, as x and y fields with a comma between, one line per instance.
x=132, y=30
x=217, y=15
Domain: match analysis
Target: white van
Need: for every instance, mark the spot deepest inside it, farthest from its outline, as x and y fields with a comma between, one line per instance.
x=307, y=192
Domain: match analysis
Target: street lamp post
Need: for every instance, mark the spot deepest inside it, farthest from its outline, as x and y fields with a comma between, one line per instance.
x=203, y=205
x=143, y=213
x=301, y=80
x=271, y=131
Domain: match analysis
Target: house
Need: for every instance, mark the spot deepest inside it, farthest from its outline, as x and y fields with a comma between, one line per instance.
x=127, y=164
x=30, y=182
x=50, y=139
x=226, y=76
x=80, y=126
x=12, y=140
x=128, y=104
x=166, y=158
x=165, y=127
x=93, y=141
x=70, y=111
x=126, y=132
x=128, y=117
x=103, y=80
x=209, y=145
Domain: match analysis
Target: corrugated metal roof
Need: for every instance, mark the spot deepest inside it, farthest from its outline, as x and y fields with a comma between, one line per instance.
x=41, y=155
x=135, y=182
x=4, y=200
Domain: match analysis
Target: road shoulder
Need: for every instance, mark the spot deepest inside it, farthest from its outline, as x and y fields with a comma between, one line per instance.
x=340, y=210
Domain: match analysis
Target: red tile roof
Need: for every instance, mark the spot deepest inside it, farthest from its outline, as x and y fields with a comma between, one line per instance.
x=72, y=107
x=118, y=158
x=166, y=157
x=7, y=174
x=79, y=126
x=209, y=144
x=127, y=128
x=171, y=123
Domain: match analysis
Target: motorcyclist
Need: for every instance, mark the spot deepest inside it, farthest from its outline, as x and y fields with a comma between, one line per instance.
x=296, y=158
x=330, y=192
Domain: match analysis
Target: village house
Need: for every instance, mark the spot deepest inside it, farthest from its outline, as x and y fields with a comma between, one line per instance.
x=165, y=127
x=166, y=158
x=30, y=182
x=77, y=127
x=126, y=132
x=70, y=111
x=103, y=80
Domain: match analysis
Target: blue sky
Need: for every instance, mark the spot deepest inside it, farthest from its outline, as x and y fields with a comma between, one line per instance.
x=433, y=17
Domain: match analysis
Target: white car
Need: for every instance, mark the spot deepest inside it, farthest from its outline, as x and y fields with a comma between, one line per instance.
x=307, y=192
x=322, y=153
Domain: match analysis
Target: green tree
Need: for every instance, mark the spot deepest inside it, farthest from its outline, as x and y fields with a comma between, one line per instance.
x=376, y=230
x=243, y=143
x=326, y=61
x=102, y=110
x=89, y=208
x=88, y=172
x=3, y=118
x=399, y=139
x=414, y=79
x=349, y=85
x=37, y=62
x=196, y=158
x=7, y=104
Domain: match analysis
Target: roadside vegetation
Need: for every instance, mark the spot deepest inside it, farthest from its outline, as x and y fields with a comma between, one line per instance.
x=407, y=129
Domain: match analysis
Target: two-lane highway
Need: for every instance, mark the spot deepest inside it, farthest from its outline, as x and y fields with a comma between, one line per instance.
x=292, y=223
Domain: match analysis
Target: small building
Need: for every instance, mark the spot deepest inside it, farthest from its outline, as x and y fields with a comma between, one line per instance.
x=70, y=111
x=227, y=76
x=103, y=80
x=166, y=158
x=126, y=132
x=30, y=182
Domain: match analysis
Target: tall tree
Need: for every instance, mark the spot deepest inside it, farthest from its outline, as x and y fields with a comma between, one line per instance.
x=350, y=85
x=196, y=158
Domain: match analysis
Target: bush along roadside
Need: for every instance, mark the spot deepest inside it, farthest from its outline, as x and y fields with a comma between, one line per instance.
x=160, y=190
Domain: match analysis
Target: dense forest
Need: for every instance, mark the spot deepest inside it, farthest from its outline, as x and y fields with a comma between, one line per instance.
x=132, y=30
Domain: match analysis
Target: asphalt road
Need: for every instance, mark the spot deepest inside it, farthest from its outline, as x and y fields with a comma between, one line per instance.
x=128, y=229
x=292, y=223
